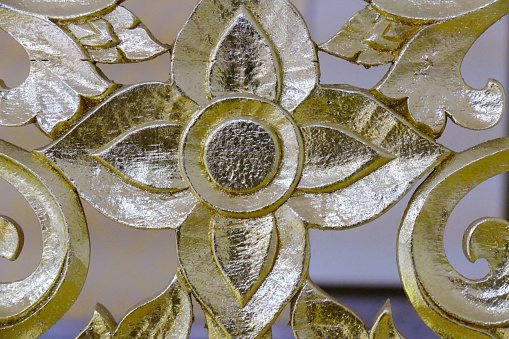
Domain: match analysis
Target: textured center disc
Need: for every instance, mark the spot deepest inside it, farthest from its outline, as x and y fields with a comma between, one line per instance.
x=242, y=155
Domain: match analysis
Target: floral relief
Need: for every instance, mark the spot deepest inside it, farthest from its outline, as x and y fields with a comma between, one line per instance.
x=242, y=151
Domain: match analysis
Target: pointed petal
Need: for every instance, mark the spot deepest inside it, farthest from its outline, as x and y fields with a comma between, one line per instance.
x=169, y=315
x=336, y=158
x=244, y=251
x=244, y=61
x=215, y=331
x=147, y=155
x=101, y=326
x=286, y=36
x=137, y=205
x=212, y=290
x=316, y=315
x=415, y=155
x=384, y=327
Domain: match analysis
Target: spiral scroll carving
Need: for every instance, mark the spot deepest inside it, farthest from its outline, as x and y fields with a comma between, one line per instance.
x=452, y=305
x=30, y=306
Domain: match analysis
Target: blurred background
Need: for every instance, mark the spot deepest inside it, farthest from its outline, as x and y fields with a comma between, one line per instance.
x=358, y=266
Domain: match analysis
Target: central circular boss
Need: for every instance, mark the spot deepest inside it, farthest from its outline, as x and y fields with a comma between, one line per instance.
x=242, y=156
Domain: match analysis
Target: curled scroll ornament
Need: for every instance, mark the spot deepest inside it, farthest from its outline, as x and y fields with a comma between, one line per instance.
x=451, y=304
x=30, y=306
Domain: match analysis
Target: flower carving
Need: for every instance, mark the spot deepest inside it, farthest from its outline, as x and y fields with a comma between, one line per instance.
x=241, y=152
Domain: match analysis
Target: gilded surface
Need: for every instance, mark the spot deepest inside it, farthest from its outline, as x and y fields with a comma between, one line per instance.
x=242, y=151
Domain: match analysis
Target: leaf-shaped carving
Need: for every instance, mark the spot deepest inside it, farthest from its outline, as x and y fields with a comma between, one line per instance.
x=215, y=332
x=98, y=33
x=213, y=292
x=282, y=30
x=244, y=250
x=336, y=158
x=11, y=238
x=414, y=156
x=244, y=61
x=169, y=315
x=383, y=327
x=412, y=10
x=116, y=37
x=316, y=315
x=101, y=326
x=116, y=119
x=147, y=155
x=428, y=73
x=59, y=9
x=370, y=38
x=60, y=74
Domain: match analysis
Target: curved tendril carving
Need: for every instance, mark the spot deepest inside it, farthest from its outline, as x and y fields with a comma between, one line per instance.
x=451, y=304
x=29, y=307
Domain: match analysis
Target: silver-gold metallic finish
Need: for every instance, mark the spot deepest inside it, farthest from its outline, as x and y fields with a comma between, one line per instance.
x=241, y=151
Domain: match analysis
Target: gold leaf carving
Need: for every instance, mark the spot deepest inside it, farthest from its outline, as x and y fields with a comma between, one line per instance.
x=335, y=158
x=169, y=315
x=384, y=327
x=116, y=37
x=60, y=74
x=214, y=293
x=451, y=304
x=316, y=315
x=59, y=9
x=115, y=119
x=147, y=155
x=11, y=238
x=430, y=11
x=101, y=326
x=428, y=73
x=281, y=23
x=30, y=306
x=414, y=156
x=98, y=33
x=244, y=61
x=244, y=250
x=370, y=38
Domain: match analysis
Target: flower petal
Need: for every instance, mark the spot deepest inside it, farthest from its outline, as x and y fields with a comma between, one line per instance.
x=119, y=119
x=336, y=158
x=244, y=250
x=169, y=315
x=415, y=155
x=147, y=155
x=315, y=315
x=244, y=61
x=212, y=290
x=281, y=29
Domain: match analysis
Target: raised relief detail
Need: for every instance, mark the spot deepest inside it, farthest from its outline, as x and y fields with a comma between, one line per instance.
x=241, y=152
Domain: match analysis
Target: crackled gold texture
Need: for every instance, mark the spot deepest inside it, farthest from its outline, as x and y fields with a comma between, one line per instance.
x=242, y=151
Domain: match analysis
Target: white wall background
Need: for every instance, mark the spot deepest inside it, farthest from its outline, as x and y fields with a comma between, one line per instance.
x=129, y=265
